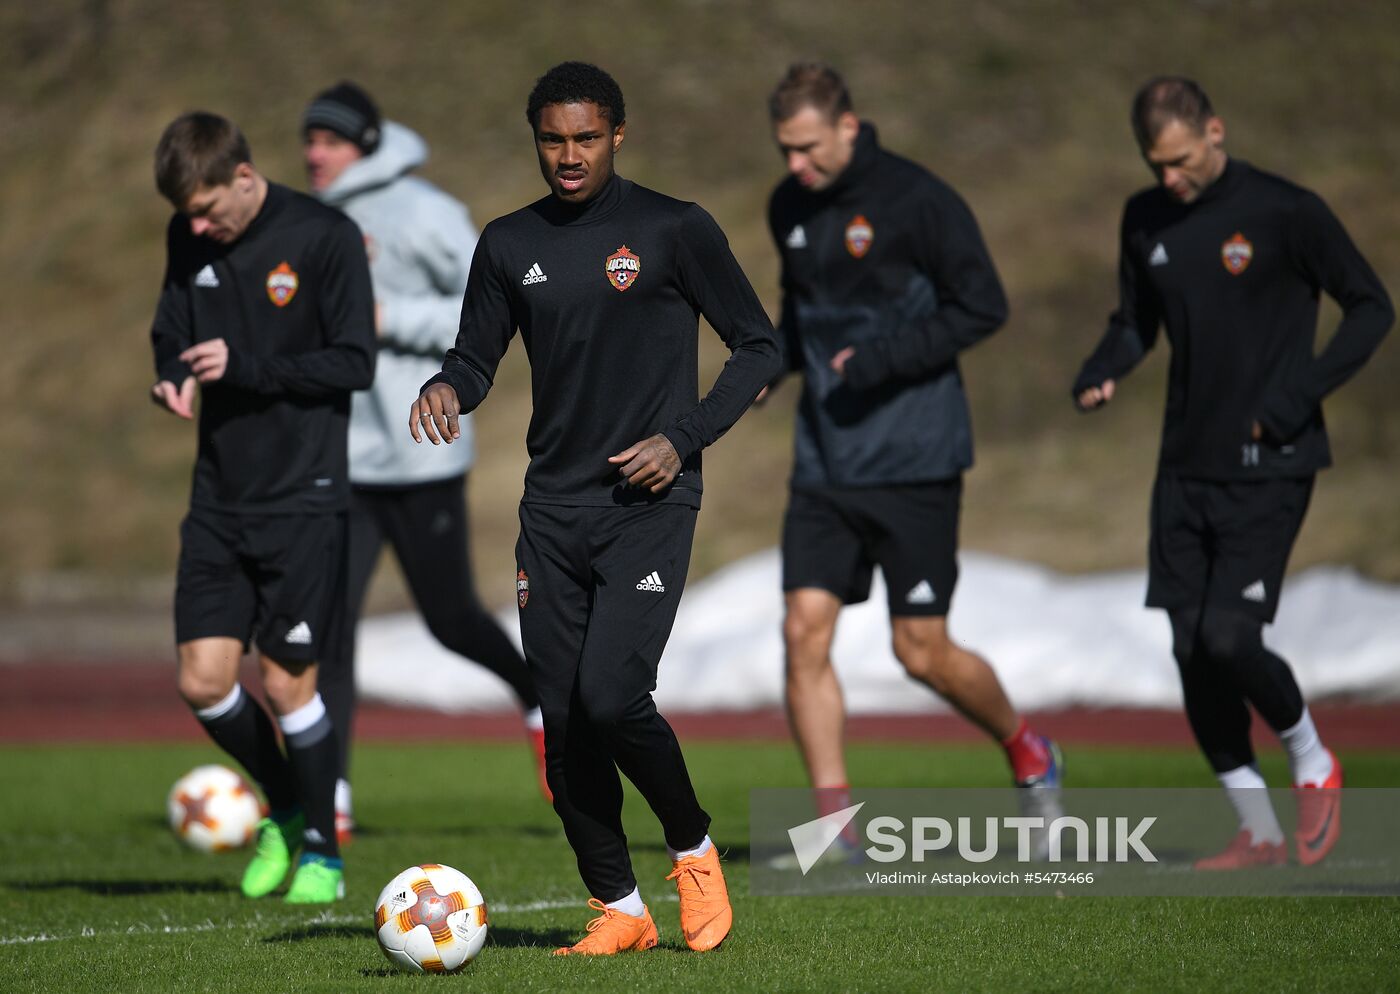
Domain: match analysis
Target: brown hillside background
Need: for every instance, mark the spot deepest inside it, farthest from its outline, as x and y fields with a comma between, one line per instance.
x=1021, y=106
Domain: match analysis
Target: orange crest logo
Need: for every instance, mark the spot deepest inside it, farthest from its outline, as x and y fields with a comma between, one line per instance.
x=623, y=268
x=859, y=235
x=282, y=285
x=1236, y=253
x=522, y=587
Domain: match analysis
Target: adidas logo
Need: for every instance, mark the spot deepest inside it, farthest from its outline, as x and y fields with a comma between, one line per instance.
x=1158, y=256
x=797, y=238
x=921, y=594
x=534, y=275
x=313, y=836
x=206, y=277
x=300, y=634
x=1255, y=592
x=652, y=582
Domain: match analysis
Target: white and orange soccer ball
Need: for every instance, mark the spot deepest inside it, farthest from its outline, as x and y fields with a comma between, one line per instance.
x=430, y=919
x=212, y=809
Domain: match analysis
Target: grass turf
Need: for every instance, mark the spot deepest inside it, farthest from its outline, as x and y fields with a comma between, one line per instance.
x=95, y=894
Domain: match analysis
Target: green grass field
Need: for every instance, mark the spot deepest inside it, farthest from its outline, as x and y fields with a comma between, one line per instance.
x=97, y=895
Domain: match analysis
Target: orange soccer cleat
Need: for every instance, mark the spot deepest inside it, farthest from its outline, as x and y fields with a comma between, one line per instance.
x=706, y=916
x=1244, y=852
x=613, y=932
x=1319, y=815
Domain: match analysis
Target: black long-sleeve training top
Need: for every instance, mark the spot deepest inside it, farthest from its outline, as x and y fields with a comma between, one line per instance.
x=888, y=260
x=1235, y=277
x=606, y=297
x=292, y=299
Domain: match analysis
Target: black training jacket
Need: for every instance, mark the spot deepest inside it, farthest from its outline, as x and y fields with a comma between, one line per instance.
x=1235, y=278
x=606, y=296
x=292, y=299
x=888, y=260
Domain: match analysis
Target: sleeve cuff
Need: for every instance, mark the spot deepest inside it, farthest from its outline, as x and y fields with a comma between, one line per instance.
x=239, y=371
x=864, y=369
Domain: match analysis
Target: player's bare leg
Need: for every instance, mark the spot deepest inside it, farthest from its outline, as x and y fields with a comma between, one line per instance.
x=208, y=670
x=816, y=711
x=962, y=678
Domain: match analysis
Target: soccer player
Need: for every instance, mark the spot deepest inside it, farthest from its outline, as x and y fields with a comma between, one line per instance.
x=1231, y=259
x=266, y=311
x=420, y=243
x=605, y=279
x=885, y=280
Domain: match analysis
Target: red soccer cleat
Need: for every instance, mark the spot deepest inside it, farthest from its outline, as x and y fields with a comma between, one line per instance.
x=1319, y=815
x=1243, y=852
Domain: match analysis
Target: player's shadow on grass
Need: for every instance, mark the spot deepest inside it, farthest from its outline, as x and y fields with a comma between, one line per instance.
x=521, y=938
x=129, y=888
x=322, y=930
x=493, y=829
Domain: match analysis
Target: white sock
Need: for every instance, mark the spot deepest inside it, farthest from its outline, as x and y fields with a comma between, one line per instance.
x=342, y=798
x=678, y=854
x=298, y=721
x=1308, y=760
x=631, y=904
x=534, y=719
x=1249, y=797
x=222, y=708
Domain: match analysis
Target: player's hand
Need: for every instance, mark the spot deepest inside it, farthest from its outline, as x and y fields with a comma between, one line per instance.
x=1096, y=397
x=177, y=400
x=839, y=360
x=652, y=463
x=1256, y=431
x=208, y=360
x=436, y=414
x=762, y=396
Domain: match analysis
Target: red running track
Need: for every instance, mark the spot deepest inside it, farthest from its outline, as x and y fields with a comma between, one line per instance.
x=64, y=701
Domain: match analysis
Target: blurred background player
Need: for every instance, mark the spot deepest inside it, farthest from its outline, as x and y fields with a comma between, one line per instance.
x=885, y=280
x=1232, y=259
x=266, y=305
x=420, y=243
x=605, y=279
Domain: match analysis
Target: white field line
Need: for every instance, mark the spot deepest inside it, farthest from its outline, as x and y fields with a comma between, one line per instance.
x=258, y=921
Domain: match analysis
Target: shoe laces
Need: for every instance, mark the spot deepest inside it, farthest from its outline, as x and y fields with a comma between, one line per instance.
x=691, y=867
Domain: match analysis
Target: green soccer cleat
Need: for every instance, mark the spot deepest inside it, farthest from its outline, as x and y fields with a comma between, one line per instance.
x=317, y=881
x=277, y=842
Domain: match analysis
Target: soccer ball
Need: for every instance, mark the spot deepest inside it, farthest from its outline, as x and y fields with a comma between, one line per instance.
x=212, y=808
x=430, y=919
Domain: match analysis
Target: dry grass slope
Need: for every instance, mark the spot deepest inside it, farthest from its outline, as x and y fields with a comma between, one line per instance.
x=1020, y=105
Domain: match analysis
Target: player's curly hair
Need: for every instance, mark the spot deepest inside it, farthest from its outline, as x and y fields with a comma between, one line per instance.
x=577, y=82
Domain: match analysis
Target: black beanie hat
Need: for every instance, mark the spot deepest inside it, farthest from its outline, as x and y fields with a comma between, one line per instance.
x=349, y=112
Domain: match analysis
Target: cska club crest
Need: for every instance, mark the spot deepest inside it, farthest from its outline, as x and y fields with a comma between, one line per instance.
x=522, y=588
x=623, y=268
x=859, y=235
x=1236, y=253
x=282, y=285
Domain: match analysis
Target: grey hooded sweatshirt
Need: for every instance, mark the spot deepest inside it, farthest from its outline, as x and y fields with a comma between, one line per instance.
x=420, y=243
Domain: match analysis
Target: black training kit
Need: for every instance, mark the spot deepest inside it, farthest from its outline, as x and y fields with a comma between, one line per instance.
x=606, y=297
x=888, y=260
x=1235, y=277
x=292, y=299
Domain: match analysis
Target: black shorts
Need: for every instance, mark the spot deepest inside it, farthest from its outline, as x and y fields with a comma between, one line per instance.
x=274, y=579
x=834, y=537
x=1223, y=544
